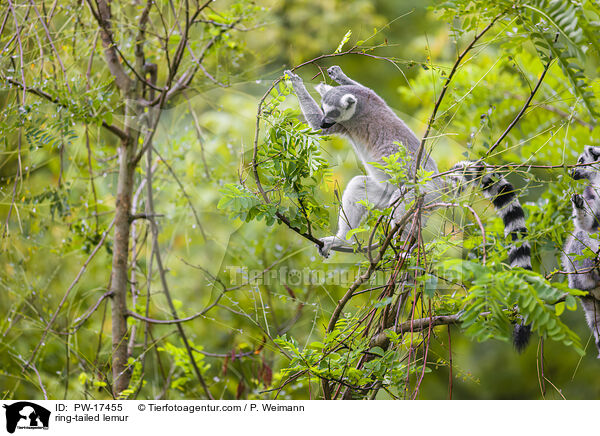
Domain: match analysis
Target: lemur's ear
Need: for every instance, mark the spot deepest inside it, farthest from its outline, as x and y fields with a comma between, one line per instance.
x=323, y=88
x=347, y=100
x=593, y=151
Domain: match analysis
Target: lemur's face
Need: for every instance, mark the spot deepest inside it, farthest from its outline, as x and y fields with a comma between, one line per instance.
x=590, y=154
x=337, y=104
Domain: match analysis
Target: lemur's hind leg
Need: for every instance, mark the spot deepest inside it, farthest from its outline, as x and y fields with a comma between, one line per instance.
x=591, y=307
x=360, y=188
x=338, y=76
x=586, y=210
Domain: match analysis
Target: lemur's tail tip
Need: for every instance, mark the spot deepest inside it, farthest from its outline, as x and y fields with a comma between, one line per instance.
x=521, y=336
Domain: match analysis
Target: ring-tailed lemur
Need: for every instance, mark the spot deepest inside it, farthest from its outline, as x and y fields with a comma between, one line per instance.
x=583, y=273
x=357, y=112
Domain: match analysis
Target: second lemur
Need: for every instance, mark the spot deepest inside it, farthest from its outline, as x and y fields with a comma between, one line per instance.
x=583, y=272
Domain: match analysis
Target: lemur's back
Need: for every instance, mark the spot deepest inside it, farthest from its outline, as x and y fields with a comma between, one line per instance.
x=376, y=127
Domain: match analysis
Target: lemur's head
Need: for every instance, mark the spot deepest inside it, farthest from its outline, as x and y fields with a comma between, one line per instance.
x=590, y=154
x=338, y=103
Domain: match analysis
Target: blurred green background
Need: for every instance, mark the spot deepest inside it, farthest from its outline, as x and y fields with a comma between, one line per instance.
x=53, y=229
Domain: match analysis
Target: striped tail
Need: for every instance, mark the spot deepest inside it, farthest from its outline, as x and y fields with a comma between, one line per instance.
x=502, y=195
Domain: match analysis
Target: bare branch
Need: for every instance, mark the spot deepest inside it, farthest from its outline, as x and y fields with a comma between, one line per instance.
x=445, y=88
x=523, y=109
x=382, y=339
x=64, y=299
x=103, y=17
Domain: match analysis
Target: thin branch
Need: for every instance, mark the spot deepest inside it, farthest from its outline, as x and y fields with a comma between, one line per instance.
x=83, y=318
x=479, y=223
x=381, y=339
x=64, y=299
x=523, y=109
x=103, y=17
x=168, y=321
x=51, y=41
x=156, y=253
x=184, y=192
x=445, y=88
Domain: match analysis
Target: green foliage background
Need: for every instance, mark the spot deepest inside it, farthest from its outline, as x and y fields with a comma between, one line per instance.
x=257, y=336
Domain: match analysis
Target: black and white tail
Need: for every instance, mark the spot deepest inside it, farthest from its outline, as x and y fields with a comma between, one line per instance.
x=506, y=203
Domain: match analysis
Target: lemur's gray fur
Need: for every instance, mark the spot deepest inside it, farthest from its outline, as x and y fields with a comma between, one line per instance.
x=358, y=113
x=583, y=273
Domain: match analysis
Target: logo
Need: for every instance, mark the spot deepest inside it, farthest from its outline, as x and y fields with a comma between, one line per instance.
x=26, y=415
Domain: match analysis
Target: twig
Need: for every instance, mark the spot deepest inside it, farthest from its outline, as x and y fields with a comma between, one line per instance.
x=161, y=270
x=184, y=192
x=381, y=339
x=64, y=299
x=450, y=378
x=523, y=109
x=83, y=318
x=479, y=223
x=111, y=128
x=445, y=88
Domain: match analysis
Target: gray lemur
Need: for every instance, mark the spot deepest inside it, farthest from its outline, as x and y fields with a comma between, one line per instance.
x=583, y=273
x=358, y=113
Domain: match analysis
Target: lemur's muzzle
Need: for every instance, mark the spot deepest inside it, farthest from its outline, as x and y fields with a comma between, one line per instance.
x=326, y=123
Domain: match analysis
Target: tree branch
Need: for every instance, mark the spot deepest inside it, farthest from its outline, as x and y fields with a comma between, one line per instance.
x=523, y=109
x=64, y=299
x=445, y=88
x=42, y=94
x=103, y=16
x=382, y=340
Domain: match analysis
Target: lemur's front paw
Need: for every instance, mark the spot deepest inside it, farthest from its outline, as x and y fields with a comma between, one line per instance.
x=325, y=250
x=335, y=72
x=329, y=243
x=293, y=77
x=577, y=201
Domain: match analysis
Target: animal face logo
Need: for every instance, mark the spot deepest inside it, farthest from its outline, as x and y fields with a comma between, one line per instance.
x=24, y=414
